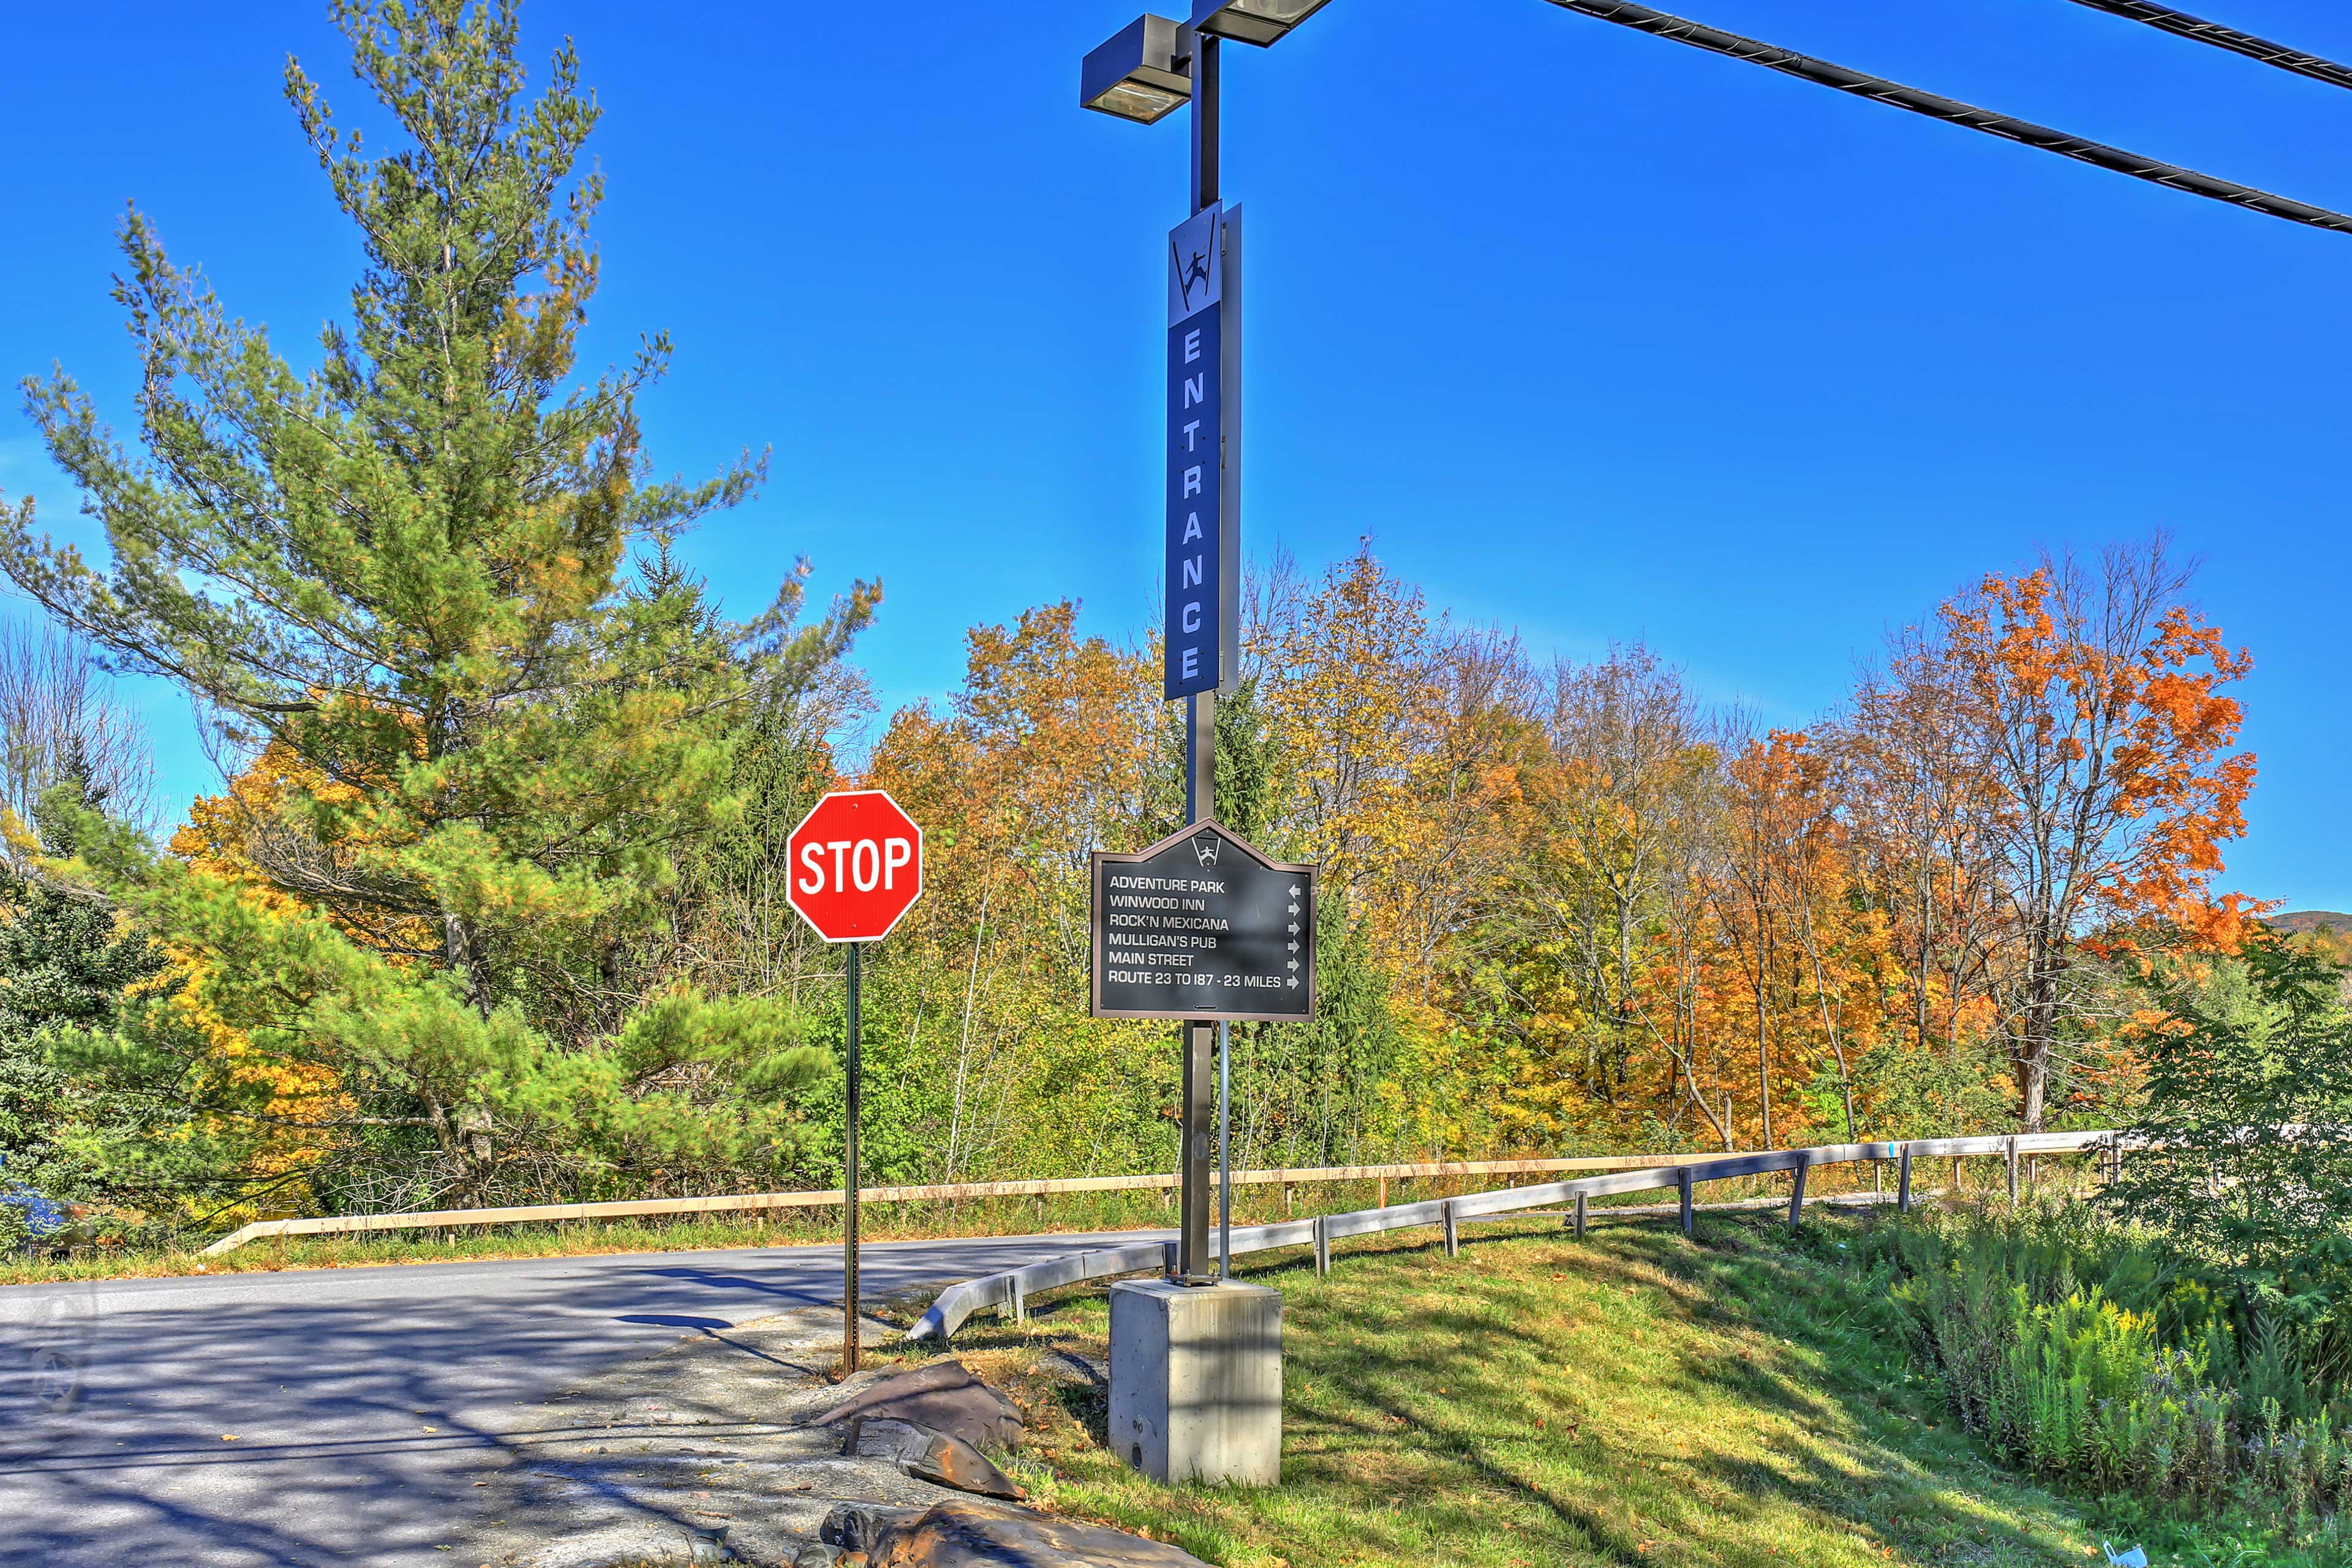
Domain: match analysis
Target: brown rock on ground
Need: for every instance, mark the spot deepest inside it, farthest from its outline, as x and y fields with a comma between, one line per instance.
x=927, y=1456
x=995, y=1535
x=944, y=1396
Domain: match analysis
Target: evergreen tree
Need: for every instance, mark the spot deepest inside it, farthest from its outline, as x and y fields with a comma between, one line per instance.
x=428, y=574
x=67, y=963
x=32, y=1087
x=2244, y=1148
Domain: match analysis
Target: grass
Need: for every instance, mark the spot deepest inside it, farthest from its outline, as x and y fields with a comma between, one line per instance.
x=1632, y=1399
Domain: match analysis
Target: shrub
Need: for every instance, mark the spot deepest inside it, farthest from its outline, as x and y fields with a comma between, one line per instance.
x=2086, y=1351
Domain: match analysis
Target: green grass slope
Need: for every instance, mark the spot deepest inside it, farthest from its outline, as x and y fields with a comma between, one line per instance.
x=1632, y=1399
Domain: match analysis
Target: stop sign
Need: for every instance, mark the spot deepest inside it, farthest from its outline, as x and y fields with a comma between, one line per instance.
x=856, y=865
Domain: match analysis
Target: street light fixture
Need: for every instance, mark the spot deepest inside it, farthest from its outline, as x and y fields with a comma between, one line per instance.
x=1143, y=73
x=1259, y=22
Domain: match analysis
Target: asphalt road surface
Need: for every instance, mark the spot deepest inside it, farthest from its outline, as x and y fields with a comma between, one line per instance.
x=342, y=1416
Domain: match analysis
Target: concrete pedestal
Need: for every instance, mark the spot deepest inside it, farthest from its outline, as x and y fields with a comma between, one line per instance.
x=1196, y=1381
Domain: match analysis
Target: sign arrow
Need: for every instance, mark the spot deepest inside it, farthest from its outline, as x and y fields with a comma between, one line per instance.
x=1294, y=983
x=1293, y=947
x=1294, y=890
x=1293, y=908
x=1294, y=964
x=1294, y=925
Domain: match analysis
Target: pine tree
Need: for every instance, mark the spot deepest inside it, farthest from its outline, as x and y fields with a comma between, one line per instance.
x=429, y=574
x=66, y=964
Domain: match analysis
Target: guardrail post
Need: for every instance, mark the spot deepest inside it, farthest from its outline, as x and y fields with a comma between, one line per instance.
x=1581, y=1214
x=1019, y=1304
x=2114, y=1159
x=1322, y=1247
x=2012, y=1160
x=1453, y=1231
x=1903, y=1181
x=1797, y=1197
x=1683, y=1180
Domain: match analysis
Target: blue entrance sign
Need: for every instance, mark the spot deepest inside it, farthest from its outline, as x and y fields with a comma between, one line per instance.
x=1196, y=565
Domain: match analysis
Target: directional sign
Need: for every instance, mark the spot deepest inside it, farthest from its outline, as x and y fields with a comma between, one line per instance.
x=856, y=865
x=1202, y=926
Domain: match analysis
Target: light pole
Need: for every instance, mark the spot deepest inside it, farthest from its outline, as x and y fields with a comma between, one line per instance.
x=1143, y=73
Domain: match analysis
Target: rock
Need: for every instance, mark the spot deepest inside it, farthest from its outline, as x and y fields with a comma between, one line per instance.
x=815, y=1554
x=949, y=1462
x=855, y=1527
x=880, y=1437
x=927, y=1456
x=992, y=1535
x=944, y=1396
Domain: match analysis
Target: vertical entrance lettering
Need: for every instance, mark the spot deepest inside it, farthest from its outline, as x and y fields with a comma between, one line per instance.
x=1196, y=371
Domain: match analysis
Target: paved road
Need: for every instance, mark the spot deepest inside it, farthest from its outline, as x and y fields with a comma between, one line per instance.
x=362, y=1402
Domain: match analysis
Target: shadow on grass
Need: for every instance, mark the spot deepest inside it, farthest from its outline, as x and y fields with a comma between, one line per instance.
x=1923, y=1492
x=1733, y=1320
x=1631, y=1399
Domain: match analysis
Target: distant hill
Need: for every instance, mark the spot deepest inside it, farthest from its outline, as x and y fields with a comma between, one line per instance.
x=2304, y=920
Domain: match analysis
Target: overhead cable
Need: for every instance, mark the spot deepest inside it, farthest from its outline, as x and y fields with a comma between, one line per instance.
x=1626, y=13
x=2183, y=25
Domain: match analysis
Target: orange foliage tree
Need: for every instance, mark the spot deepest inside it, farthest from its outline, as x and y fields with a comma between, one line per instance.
x=2107, y=753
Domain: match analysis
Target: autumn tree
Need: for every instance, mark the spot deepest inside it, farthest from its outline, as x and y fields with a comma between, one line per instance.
x=1764, y=808
x=1624, y=783
x=2108, y=752
x=427, y=573
x=1056, y=746
x=1399, y=741
x=61, y=719
x=1916, y=788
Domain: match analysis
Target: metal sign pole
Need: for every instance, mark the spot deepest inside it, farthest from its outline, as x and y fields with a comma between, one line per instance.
x=849, y=1184
x=1225, y=1150
x=1200, y=766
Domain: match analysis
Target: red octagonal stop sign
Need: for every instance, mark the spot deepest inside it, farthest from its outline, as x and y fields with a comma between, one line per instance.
x=856, y=865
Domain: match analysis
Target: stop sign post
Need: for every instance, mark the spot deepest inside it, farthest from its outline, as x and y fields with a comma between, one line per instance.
x=857, y=867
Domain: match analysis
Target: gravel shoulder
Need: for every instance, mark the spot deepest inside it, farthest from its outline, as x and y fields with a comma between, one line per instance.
x=683, y=1455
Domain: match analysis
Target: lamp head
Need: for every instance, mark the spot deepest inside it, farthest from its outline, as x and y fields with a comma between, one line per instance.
x=1259, y=22
x=1142, y=73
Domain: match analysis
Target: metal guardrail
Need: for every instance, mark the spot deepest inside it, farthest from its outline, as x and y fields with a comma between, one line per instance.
x=1009, y=1291
x=831, y=1197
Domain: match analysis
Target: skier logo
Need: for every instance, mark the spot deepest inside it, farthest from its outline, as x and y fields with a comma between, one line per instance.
x=1198, y=272
x=1204, y=848
x=1192, y=265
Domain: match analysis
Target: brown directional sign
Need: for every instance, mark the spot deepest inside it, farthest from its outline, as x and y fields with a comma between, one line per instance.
x=1202, y=926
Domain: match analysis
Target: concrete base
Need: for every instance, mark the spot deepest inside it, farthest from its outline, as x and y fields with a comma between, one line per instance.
x=1196, y=1381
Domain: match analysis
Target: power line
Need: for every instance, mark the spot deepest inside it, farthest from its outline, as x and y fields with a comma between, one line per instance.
x=2183, y=25
x=1626, y=13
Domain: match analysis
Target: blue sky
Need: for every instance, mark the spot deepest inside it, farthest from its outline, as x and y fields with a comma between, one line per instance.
x=1596, y=335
